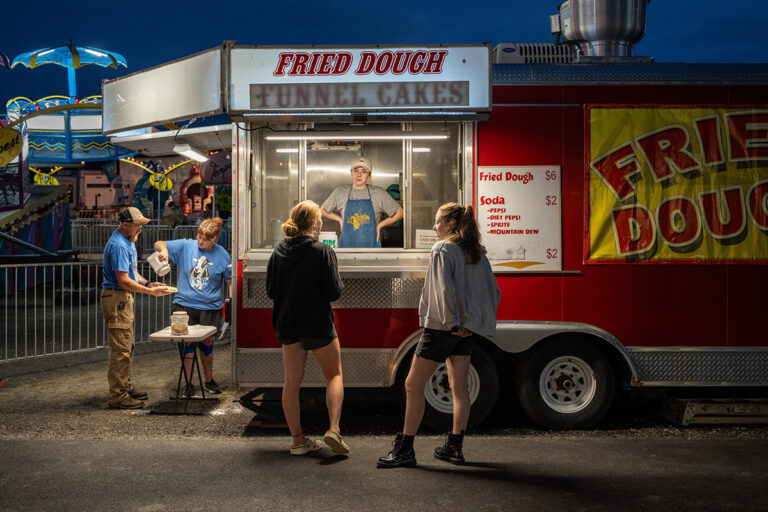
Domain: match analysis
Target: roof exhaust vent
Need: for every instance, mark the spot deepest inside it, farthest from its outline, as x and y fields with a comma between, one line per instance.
x=601, y=30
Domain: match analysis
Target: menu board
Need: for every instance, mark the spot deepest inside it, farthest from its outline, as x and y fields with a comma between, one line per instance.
x=518, y=209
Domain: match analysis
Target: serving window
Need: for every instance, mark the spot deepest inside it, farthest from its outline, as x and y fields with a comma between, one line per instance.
x=416, y=167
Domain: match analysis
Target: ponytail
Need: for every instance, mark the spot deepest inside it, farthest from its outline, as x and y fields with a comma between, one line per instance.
x=466, y=232
x=303, y=219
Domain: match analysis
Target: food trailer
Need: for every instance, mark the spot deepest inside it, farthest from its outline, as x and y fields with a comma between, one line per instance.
x=623, y=205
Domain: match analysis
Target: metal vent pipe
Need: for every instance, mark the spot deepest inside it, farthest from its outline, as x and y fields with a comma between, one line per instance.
x=601, y=28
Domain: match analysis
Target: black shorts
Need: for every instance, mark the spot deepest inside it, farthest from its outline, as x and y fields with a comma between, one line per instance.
x=214, y=317
x=439, y=345
x=307, y=343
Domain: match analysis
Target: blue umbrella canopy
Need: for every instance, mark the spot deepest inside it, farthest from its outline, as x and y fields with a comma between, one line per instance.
x=71, y=57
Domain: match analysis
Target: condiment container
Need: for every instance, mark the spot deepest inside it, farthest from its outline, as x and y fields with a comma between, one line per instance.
x=179, y=323
x=160, y=267
x=329, y=238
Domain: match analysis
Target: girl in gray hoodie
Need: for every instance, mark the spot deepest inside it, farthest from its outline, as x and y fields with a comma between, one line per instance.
x=458, y=304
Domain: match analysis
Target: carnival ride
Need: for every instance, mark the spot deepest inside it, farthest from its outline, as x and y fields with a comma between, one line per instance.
x=71, y=57
x=45, y=178
x=59, y=132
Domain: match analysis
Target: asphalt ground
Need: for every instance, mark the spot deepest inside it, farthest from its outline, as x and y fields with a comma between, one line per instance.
x=71, y=403
x=62, y=449
x=505, y=473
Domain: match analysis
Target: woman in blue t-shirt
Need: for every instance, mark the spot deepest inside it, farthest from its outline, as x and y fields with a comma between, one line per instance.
x=204, y=267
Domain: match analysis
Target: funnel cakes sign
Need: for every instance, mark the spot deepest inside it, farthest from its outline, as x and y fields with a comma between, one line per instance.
x=360, y=79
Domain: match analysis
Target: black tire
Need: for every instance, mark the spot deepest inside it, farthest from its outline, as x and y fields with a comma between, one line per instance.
x=567, y=383
x=484, y=386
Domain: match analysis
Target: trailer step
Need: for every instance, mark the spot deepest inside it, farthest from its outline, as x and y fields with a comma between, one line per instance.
x=697, y=411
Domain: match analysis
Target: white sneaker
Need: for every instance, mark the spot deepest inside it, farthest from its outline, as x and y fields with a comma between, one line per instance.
x=312, y=445
x=335, y=442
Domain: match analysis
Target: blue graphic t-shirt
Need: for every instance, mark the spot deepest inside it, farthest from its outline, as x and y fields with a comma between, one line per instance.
x=201, y=273
x=119, y=255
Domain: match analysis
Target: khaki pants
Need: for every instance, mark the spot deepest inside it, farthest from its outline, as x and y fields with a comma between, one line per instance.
x=117, y=306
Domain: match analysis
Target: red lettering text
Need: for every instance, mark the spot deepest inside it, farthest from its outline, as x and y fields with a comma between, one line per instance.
x=300, y=64
x=665, y=151
x=435, y=61
x=724, y=219
x=384, y=62
x=315, y=63
x=491, y=200
x=282, y=61
x=401, y=61
x=367, y=61
x=418, y=62
x=748, y=135
x=633, y=229
x=615, y=169
x=708, y=132
x=678, y=221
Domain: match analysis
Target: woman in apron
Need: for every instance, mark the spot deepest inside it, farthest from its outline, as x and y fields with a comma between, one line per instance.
x=360, y=206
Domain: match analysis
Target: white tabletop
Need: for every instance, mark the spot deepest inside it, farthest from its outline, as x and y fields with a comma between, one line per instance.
x=196, y=333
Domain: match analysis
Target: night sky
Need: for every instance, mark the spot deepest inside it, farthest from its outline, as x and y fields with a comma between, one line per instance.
x=150, y=33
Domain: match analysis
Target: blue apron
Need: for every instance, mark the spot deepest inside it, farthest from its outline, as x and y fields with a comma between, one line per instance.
x=359, y=228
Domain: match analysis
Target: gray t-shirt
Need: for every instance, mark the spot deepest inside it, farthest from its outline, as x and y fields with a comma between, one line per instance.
x=382, y=201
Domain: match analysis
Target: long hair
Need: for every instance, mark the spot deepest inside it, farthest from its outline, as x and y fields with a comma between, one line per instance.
x=210, y=228
x=466, y=232
x=303, y=219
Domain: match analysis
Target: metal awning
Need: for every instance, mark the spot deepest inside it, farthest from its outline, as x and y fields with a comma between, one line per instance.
x=204, y=138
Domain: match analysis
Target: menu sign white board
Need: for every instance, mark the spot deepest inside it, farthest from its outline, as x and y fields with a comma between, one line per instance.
x=518, y=209
x=360, y=79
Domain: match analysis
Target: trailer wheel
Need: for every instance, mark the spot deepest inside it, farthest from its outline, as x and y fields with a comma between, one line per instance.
x=566, y=384
x=483, y=392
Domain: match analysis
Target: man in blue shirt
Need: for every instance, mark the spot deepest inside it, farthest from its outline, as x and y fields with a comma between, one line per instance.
x=121, y=280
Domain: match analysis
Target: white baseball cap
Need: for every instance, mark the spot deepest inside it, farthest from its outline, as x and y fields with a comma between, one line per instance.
x=361, y=162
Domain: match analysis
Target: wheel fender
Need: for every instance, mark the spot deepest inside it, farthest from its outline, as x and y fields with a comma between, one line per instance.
x=399, y=355
x=518, y=336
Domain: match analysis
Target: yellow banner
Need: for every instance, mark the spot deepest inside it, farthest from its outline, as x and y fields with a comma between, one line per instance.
x=678, y=183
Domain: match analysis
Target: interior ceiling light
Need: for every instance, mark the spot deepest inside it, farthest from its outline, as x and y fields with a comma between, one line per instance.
x=187, y=151
x=357, y=136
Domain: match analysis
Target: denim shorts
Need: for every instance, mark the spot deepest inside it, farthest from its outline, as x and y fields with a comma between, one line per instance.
x=439, y=345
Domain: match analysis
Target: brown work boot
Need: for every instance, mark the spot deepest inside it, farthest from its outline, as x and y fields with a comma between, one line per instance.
x=127, y=403
x=136, y=394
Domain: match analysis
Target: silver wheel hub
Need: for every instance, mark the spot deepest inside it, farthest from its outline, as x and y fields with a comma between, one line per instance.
x=437, y=391
x=567, y=384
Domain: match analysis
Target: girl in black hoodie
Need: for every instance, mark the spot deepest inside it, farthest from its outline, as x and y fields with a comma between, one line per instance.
x=302, y=280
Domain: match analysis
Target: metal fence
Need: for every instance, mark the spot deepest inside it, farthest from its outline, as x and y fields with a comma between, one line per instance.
x=89, y=238
x=54, y=308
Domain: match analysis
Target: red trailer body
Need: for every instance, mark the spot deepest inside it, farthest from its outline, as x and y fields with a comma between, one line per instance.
x=568, y=337
x=623, y=203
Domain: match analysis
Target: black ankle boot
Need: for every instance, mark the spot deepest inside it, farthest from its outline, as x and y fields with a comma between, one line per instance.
x=451, y=449
x=400, y=455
